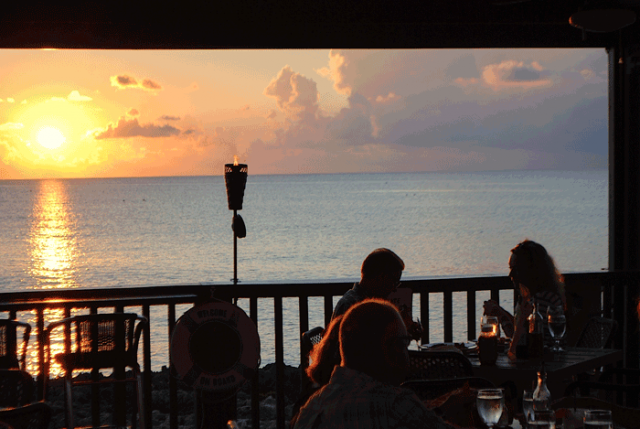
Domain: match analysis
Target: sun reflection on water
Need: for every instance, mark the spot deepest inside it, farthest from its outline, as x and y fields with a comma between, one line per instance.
x=54, y=256
x=53, y=238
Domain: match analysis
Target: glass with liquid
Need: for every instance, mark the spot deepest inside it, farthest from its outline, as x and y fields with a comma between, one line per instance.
x=543, y=419
x=598, y=419
x=490, y=403
x=527, y=404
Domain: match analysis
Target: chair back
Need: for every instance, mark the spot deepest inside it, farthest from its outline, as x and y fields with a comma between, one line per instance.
x=597, y=333
x=103, y=340
x=33, y=416
x=308, y=339
x=438, y=365
x=13, y=356
x=17, y=388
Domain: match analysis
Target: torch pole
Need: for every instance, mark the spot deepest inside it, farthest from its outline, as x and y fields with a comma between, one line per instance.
x=235, y=252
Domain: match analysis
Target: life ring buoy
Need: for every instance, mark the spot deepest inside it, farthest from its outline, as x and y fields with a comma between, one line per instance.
x=216, y=347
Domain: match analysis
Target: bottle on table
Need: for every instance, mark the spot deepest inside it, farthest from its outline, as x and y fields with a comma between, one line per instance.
x=541, y=395
x=535, y=336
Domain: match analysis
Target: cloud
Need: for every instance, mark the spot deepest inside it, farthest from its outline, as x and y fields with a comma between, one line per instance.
x=335, y=71
x=75, y=96
x=131, y=128
x=8, y=126
x=470, y=110
x=170, y=118
x=10, y=100
x=151, y=85
x=126, y=81
x=133, y=112
x=587, y=74
x=511, y=73
x=295, y=94
x=389, y=98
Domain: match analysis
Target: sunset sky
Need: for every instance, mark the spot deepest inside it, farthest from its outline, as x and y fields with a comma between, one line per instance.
x=102, y=113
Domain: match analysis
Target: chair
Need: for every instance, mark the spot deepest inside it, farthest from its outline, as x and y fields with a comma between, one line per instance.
x=597, y=333
x=438, y=365
x=17, y=388
x=33, y=416
x=99, y=341
x=308, y=339
x=10, y=357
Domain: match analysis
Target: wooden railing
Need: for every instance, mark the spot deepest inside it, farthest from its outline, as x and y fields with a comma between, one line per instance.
x=605, y=284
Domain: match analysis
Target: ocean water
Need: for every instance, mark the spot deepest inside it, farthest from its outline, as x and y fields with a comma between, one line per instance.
x=88, y=233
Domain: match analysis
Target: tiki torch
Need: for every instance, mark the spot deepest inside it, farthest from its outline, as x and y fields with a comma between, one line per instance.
x=235, y=177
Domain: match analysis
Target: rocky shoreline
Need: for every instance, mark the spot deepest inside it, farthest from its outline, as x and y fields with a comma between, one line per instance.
x=186, y=402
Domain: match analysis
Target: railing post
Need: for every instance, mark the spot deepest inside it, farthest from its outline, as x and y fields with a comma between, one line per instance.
x=277, y=315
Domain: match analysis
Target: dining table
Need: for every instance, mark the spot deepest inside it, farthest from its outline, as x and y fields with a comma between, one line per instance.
x=560, y=367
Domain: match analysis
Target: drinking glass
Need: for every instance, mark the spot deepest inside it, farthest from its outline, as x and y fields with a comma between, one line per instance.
x=543, y=419
x=598, y=419
x=527, y=404
x=489, y=324
x=557, y=325
x=490, y=403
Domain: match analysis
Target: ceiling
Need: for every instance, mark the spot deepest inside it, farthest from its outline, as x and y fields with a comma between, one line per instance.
x=301, y=24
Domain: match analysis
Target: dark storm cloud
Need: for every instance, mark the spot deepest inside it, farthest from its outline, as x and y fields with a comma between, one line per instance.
x=573, y=122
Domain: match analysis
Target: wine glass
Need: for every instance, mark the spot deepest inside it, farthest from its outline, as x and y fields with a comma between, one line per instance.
x=557, y=325
x=490, y=403
x=598, y=419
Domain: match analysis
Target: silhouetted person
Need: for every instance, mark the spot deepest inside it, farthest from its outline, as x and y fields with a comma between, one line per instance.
x=363, y=391
x=534, y=276
x=379, y=277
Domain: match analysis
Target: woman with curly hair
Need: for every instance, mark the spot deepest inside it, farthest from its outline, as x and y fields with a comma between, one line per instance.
x=536, y=278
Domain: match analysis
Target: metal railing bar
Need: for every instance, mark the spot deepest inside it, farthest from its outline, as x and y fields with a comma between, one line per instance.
x=41, y=342
x=424, y=317
x=76, y=304
x=447, y=312
x=173, y=384
x=471, y=315
x=146, y=374
x=328, y=309
x=279, y=345
x=303, y=314
x=255, y=381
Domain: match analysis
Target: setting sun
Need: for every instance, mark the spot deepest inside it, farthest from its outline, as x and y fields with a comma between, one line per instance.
x=51, y=138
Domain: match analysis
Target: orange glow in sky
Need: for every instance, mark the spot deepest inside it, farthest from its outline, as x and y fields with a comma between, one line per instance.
x=109, y=113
